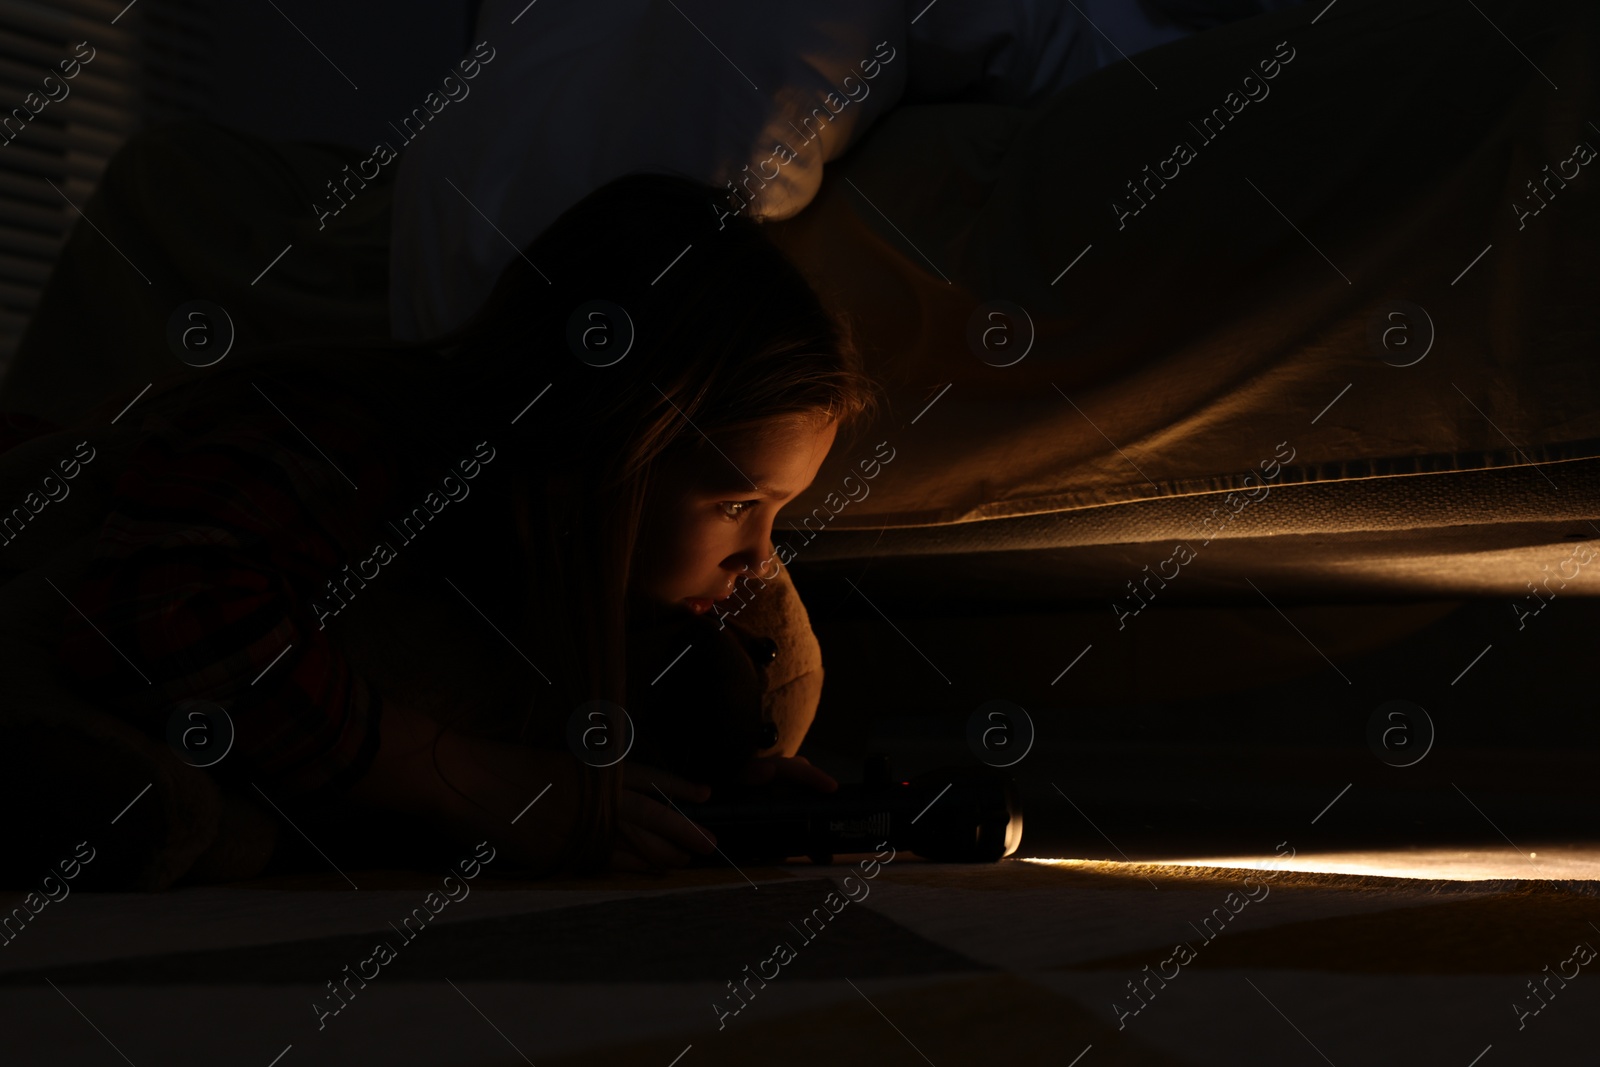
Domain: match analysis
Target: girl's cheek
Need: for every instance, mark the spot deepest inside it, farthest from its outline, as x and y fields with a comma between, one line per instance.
x=679, y=547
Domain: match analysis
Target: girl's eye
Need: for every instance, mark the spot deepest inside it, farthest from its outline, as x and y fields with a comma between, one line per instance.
x=742, y=506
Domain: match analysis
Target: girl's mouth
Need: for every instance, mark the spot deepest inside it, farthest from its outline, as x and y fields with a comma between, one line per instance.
x=700, y=605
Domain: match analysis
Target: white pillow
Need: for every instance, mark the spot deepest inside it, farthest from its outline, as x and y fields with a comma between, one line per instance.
x=574, y=93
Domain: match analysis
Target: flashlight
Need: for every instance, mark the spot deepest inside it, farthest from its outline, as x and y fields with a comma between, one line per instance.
x=949, y=815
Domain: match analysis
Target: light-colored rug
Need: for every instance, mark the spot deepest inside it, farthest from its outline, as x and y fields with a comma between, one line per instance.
x=900, y=962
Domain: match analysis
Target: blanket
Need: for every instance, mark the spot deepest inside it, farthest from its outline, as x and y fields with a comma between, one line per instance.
x=81, y=770
x=75, y=766
x=1330, y=243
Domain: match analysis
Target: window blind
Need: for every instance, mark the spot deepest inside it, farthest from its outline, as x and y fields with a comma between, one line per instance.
x=62, y=117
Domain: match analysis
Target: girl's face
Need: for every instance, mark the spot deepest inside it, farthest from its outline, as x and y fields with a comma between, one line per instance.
x=703, y=523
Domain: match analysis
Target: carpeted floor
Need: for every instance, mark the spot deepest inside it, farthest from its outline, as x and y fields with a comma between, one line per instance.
x=1024, y=962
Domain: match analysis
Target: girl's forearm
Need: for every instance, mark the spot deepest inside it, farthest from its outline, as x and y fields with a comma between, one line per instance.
x=494, y=785
x=403, y=775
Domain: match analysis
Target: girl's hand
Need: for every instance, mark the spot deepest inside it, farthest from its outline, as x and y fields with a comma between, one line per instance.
x=763, y=769
x=652, y=833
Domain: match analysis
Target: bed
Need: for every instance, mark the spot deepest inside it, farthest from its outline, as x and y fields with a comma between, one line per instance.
x=1343, y=351
x=1343, y=348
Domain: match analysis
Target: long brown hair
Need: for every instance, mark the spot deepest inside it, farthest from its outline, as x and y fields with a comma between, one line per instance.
x=727, y=336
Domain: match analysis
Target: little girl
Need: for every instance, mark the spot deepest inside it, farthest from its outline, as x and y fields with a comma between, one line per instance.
x=406, y=571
